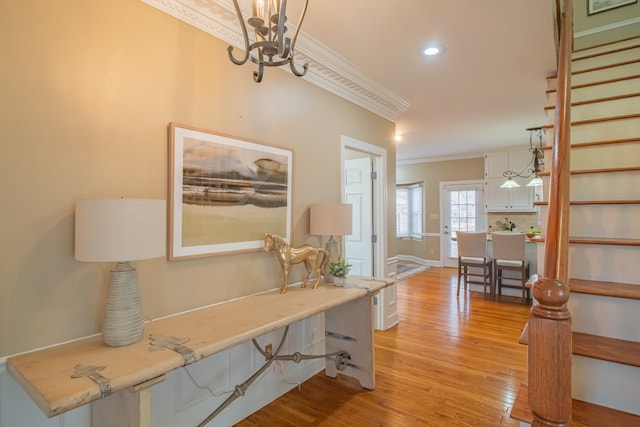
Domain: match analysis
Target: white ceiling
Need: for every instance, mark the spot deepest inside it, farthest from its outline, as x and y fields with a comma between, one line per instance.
x=482, y=94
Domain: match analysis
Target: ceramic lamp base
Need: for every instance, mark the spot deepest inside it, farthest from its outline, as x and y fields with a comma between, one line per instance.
x=123, y=318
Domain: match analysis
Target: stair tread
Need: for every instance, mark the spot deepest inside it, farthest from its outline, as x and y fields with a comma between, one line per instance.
x=613, y=350
x=549, y=127
x=594, y=202
x=604, y=67
x=604, y=241
x=596, y=241
x=592, y=143
x=605, y=348
x=596, y=83
x=583, y=414
x=597, y=100
x=601, y=67
x=609, y=349
x=602, y=288
x=602, y=170
x=604, y=53
x=607, y=43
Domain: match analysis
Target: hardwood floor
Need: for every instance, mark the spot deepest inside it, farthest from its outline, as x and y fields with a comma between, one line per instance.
x=449, y=362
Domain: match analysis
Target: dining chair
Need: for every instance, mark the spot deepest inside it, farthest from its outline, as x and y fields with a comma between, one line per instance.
x=472, y=256
x=508, y=255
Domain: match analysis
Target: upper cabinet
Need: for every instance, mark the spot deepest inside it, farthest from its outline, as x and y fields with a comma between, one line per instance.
x=519, y=199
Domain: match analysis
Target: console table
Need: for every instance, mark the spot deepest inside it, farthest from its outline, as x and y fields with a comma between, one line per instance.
x=117, y=381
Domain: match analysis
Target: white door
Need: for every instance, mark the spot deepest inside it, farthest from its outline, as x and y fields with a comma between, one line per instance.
x=359, y=193
x=462, y=210
x=386, y=305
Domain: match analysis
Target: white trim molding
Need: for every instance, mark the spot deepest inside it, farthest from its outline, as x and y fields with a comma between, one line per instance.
x=327, y=69
x=607, y=27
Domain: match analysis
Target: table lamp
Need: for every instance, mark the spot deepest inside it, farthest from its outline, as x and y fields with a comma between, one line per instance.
x=331, y=219
x=121, y=230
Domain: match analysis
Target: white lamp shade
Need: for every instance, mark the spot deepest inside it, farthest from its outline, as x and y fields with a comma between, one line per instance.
x=331, y=219
x=116, y=230
x=510, y=183
x=535, y=182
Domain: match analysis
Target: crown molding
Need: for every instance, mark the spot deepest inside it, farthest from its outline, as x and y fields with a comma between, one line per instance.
x=327, y=69
x=433, y=159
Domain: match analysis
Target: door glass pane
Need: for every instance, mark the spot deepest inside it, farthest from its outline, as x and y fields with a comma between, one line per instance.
x=463, y=214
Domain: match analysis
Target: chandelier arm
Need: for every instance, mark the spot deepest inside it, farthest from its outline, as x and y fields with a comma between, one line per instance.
x=521, y=174
x=536, y=158
x=257, y=75
x=305, y=66
x=283, y=42
x=245, y=37
x=295, y=71
x=302, y=15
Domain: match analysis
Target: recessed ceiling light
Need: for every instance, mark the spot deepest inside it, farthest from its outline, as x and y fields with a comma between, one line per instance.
x=433, y=50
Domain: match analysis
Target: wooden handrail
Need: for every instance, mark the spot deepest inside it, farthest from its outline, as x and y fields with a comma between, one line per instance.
x=549, y=325
x=556, y=249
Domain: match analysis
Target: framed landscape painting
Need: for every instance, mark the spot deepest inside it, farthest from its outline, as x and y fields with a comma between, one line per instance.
x=225, y=193
x=597, y=6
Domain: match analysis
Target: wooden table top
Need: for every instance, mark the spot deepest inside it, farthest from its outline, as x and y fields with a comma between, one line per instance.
x=46, y=374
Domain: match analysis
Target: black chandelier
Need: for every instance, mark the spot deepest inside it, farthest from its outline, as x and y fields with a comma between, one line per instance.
x=537, y=161
x=271, y=48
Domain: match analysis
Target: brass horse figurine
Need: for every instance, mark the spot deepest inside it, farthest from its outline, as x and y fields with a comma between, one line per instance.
x=315, y=259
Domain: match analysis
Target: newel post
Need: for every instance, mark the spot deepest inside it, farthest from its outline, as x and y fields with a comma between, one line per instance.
x=549, y=347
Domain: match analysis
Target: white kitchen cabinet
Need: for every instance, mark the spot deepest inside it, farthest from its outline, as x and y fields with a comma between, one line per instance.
x=519, y=199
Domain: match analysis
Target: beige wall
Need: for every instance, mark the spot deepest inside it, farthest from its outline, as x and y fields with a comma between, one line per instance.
x=88, y=89
x=432, y=174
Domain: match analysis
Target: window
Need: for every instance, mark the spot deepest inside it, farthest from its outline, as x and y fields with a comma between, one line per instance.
x=409, y=210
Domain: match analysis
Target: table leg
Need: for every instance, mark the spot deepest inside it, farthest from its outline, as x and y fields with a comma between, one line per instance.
x=349, y=328
x=130, y=407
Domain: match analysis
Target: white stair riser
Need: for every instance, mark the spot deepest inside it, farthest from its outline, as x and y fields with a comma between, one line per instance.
x=615, y=88
x=590, y=221
x=599, y=61
x=595, y=110
x=607, y=263
x=607, y=384
x=602, y=156
x=601, y=131
x=586, y=77
x=616, y=317
x=602, y=186
x=604, y=262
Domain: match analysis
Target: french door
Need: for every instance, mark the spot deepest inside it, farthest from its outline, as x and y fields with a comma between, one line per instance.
x=462, y=205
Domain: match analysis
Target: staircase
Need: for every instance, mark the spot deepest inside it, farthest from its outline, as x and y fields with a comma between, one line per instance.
x=604, y=233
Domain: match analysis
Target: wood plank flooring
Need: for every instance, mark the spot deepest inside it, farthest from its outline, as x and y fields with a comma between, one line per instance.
x=449, y=362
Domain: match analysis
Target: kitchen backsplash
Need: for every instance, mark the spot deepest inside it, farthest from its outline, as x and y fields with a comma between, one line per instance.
x=522, y=221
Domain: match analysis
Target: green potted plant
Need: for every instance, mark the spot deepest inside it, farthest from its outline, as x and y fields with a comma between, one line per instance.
x=339, y=269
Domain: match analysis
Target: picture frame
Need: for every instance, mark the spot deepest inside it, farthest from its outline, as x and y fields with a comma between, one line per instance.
x=225, y=193
x=597, y=6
